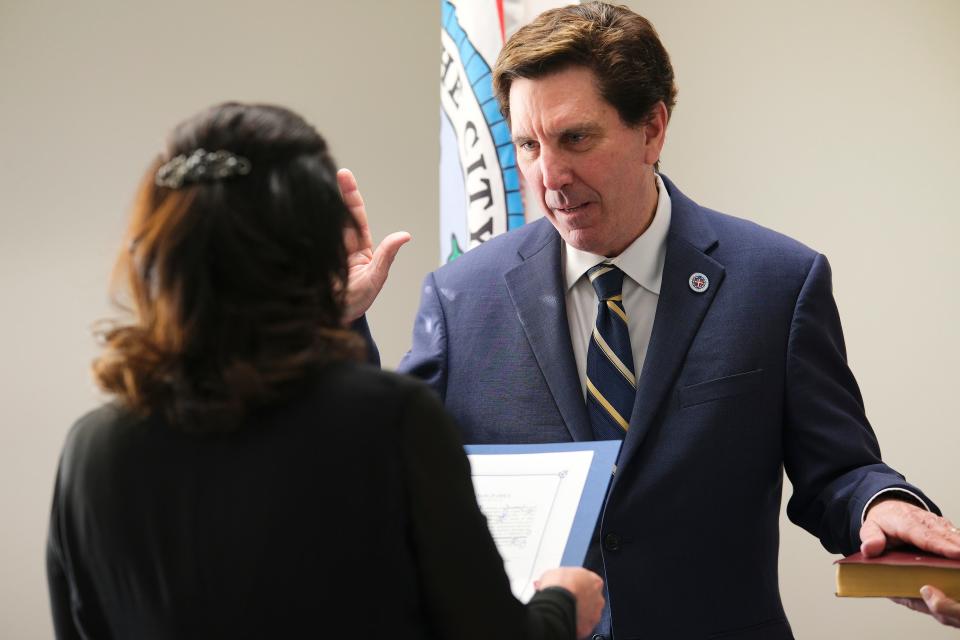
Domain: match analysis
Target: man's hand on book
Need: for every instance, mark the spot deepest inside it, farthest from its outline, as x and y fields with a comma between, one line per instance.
x=890, y=523
x=934, y=603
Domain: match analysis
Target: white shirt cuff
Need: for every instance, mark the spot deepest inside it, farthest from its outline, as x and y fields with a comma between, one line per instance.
x=866, y=507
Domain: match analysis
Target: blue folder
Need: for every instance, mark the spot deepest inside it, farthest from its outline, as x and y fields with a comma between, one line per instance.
x=594, y=490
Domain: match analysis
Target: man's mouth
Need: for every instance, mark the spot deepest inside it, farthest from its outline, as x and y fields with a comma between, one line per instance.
x=571, y=209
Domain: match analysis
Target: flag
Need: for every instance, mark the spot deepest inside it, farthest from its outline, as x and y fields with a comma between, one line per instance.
x=481, y=191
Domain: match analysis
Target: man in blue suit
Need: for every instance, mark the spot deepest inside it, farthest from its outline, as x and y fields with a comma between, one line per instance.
x=725, y=336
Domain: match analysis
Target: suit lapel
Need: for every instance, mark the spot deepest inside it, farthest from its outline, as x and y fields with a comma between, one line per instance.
x=680, y=312
x=537, y=291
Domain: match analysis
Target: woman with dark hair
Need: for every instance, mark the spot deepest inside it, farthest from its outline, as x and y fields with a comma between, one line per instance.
x=252, y=478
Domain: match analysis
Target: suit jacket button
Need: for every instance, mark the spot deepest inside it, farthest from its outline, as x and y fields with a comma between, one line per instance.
x=611, y=542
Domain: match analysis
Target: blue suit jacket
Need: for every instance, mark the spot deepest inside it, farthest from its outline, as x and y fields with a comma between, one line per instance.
x=740, y=382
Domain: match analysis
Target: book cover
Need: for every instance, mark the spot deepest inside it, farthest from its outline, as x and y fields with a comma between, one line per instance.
x=898, y=573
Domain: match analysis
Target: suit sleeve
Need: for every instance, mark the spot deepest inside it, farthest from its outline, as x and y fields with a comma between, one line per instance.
x=362, y=328
x=466, y=591
x=831, y=454
x=427, y=358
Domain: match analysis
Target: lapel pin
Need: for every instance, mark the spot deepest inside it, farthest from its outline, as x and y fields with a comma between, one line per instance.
x=699, y=283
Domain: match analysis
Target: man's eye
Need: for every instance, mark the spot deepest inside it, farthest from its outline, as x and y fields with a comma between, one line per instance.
x=576, y=138
x=529, y=145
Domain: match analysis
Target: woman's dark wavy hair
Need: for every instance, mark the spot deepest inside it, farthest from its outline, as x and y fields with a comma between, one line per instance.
x=236, y=284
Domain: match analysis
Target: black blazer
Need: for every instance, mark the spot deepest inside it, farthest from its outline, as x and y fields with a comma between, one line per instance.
x=348, y=511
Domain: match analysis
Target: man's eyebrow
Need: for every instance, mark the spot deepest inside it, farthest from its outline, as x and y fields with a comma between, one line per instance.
x=581, y=128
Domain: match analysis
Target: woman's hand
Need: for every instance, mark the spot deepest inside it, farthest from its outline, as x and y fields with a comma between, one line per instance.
x=587, y=590
x=936, y=604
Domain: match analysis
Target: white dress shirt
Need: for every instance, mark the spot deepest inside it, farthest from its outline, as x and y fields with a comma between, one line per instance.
x=642, y=262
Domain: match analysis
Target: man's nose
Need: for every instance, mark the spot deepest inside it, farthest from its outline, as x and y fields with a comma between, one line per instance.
x=555, y=170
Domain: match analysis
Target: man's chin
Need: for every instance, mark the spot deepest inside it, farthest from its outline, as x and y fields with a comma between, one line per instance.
x=584, y=240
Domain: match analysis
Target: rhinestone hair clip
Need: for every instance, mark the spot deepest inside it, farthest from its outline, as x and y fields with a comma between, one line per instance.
x=201, y=166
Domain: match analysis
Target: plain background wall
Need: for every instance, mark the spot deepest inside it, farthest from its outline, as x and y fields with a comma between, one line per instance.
x=834, y=122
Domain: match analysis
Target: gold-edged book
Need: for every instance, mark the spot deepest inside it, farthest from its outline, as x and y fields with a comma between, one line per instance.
x=897, y=574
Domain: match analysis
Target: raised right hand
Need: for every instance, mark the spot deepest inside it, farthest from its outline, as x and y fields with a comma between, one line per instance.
x=587, y=589
x=367, y=268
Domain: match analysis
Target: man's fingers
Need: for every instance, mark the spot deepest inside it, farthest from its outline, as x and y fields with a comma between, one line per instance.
x=368, y=272
x=873, y=541
x=949, y=535
x=901, y=522
x=927, y=531
x=386, y=252
x=936, y=539
x=348, y=188
x=350, y=193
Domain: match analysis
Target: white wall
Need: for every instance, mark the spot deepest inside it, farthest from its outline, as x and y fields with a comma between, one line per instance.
x=835, y=122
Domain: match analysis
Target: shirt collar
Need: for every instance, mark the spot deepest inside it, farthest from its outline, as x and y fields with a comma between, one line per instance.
x=642, y=260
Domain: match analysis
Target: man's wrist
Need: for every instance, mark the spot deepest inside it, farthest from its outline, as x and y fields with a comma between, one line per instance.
x=893, y=493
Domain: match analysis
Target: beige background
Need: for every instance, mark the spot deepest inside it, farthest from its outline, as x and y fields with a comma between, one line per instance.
x=834, y=122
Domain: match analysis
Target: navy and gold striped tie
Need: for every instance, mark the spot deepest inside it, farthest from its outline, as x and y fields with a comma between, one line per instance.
x=611, y=380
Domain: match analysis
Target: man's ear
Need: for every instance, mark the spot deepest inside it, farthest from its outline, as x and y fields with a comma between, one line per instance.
x=655, y=131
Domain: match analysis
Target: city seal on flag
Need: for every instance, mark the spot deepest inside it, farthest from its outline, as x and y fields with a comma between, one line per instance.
x=479, y=181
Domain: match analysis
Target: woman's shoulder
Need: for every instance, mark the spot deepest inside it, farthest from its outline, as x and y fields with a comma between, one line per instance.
x=94, y=436
x=365, y=387
x=352, y=405
x=99, y=422
x=363, y=394
x=340, y=392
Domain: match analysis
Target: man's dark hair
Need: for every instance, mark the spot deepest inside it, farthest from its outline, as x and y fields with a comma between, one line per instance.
x=622, y=49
